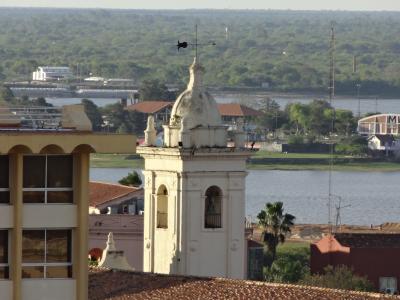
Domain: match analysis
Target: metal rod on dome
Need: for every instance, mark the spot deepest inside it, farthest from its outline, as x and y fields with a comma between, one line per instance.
x=196, y=44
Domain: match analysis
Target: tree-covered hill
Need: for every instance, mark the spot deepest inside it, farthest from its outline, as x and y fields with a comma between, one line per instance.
x=287, y=49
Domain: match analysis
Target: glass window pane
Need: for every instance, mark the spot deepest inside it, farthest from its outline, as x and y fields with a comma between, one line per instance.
x=33, y=246
x=3, y=246
x=59, y=171
x=33, y=197
x=32, y=272
x=4, y=273
x=59, y=272
x=34, y=171
x=58, y=246
x=4, y=171
x=4, y=197
x=60, y=197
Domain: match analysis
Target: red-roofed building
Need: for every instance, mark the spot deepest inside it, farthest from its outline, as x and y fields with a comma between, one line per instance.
x=373, y=255
x=161, y=110
x=120, y=198
x=236, y=110
x=117, y=208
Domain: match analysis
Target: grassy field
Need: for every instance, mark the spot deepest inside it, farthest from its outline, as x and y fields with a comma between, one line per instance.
x=354, y=167
x=266, y=154
x=129, y=161
x=293, y=246
x=115, y=161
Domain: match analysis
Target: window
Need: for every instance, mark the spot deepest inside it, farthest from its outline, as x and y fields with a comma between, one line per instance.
x=162, y=207
x=213, y=208
x=4, y=269
x=46, y=253
x=47, y=179
x=4, y=177
x=388, y=285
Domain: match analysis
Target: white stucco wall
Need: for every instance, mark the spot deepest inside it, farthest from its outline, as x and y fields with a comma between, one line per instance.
x=49, y=216
x=6, y=290
x=6, y=216
x=197, y=250
x=40, y=289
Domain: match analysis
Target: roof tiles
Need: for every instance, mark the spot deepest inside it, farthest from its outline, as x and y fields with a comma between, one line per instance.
x=119, y=285
x=101, y=192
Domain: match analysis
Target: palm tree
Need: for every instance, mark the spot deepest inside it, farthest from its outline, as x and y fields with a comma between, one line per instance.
x=275, y=225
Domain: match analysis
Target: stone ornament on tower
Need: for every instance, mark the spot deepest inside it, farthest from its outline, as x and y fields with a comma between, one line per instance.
x=150, y=134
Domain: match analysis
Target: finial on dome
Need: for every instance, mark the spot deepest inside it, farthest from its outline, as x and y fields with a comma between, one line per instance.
x=196, y=75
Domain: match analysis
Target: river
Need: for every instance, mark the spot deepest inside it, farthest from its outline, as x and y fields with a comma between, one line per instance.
x=366, y=105
x=373, y=196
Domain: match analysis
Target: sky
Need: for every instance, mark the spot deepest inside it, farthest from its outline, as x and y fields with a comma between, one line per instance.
x=393, y=5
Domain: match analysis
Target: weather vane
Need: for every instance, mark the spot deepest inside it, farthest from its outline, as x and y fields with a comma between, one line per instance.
x=196, y=44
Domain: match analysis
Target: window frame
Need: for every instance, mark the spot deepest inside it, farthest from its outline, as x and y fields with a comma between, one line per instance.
x=213, y=229
x=46, y=189
x=161, y=225
x=7, y=265
x=45, y=264
x=2, y=189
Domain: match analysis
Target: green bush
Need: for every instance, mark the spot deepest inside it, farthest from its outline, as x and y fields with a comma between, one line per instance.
x=352, y=146
x=340, y=277
x=295, y=140
x=291, y=265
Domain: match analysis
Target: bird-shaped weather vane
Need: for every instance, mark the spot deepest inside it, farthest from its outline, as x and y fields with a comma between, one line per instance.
x=196, y=44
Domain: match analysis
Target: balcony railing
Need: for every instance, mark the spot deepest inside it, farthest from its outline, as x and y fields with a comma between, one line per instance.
x=212, y=220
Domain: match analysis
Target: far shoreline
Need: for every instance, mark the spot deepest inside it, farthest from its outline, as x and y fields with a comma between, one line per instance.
x=124, y=161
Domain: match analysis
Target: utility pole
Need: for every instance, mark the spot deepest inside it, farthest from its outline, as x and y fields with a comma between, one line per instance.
x=358, y=85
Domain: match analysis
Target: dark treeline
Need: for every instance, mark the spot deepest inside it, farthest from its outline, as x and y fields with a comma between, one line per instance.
x=287, y=49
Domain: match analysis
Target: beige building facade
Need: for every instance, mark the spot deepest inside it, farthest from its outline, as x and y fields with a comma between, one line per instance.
x=44, y=179
x=194, y=218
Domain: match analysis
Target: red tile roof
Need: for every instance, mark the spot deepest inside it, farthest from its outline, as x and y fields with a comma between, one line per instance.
x=237, y=110
x=149, y=107
x=102, y=192
x=119, y=285
x=368, y=240
x=228, y=109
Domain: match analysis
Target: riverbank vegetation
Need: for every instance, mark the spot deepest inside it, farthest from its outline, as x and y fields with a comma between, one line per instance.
x=284, y=50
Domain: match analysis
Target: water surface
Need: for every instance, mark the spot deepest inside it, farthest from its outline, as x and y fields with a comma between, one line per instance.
x=373, y=196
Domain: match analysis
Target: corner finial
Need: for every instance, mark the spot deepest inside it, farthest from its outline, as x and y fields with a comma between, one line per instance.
x=150, y=134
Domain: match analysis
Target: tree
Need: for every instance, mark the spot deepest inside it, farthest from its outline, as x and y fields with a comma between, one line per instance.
x=93, y=113
x=132, y=179
x=268, y=121
x=40, y=101
x=340, y=277
x=122, y=120
x=6, y=94
x=345, y=123
x=275, y=226
x=299, y=115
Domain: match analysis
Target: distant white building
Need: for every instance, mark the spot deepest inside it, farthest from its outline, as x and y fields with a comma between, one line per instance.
x=52, y=73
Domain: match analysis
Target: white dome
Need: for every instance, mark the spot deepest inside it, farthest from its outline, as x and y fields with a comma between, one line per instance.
x=195, y=105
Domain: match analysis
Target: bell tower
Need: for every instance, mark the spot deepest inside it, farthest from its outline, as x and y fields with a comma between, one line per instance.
x=194, y=217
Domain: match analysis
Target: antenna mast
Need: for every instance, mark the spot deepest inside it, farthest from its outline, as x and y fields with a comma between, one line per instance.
x=332, y=65
x=331, y=96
